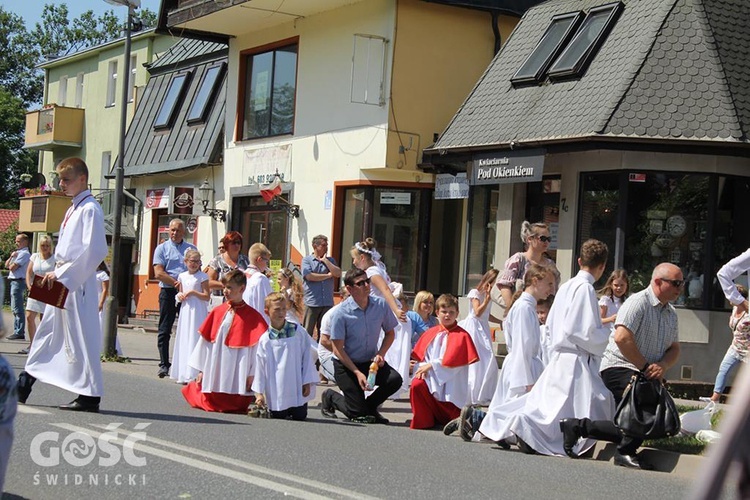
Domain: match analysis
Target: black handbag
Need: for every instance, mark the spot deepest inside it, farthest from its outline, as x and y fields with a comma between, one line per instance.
x=647, y=411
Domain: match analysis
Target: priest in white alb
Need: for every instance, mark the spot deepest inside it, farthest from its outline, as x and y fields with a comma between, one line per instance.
x=570, y=385
x=68, y=342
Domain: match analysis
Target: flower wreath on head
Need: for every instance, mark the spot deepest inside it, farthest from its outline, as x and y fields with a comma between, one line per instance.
x=372, y=253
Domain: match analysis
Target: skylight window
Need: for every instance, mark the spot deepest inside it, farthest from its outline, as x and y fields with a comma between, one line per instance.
x=206, y=94
x=553, y=41
x=174, y=97
x=581, y=50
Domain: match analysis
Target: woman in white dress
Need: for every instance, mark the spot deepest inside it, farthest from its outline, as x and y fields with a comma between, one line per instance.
x=484, y=374
x=42, y=262
x=194, y=295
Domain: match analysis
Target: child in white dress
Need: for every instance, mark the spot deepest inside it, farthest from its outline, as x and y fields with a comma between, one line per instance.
x=612, y=296
x=194, y=295
x=483, y=375
x=399, y=354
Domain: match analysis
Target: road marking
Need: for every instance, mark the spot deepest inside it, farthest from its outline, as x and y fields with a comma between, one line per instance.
x=217, y=469
x=30, y=410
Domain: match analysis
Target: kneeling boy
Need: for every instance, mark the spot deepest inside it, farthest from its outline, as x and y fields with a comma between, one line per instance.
x=441, y=379
x=284, y=366
x=225, y=353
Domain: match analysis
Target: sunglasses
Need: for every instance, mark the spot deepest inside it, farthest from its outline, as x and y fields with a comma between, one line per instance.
x=674, y=283
x=362, y=283
x=544, y=239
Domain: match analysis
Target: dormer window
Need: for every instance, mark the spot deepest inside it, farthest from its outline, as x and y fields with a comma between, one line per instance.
x=206, y=94
x=585, y=44
x=568, y=45
x=172, y=101
x=558, y=34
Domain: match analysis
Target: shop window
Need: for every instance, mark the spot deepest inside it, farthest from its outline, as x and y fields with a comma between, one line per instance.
x=270, y=80
x=206, y=94
x=172, y=101
x=482, y=234
x=396, y=218
x=543, y=205
x=651, y=217
x=555, y=38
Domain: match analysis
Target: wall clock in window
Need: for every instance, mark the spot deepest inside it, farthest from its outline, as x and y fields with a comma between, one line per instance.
x=676, y=226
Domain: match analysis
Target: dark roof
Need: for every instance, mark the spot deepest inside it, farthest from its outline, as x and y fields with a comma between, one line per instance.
x=512, y=7
x=181, y=146
x=670, y=69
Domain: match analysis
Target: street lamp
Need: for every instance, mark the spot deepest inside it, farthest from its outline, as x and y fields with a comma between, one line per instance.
x=206, y=191
x=110, y=325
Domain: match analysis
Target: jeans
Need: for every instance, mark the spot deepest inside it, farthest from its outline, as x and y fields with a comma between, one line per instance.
x=731, y=359
x=16, y=304
x=167, y=314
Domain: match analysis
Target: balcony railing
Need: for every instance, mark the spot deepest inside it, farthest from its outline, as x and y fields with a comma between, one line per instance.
x=54, y=127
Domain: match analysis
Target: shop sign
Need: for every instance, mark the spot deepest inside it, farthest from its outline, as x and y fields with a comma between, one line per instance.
x=182, y=200
x=157, y=198
x=508, y=167
x=395, y=198
x=451, y=187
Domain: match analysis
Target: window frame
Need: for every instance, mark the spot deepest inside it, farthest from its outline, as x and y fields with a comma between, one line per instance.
x=582, y=62
x=528, y=78
x=176, y=103
x=210, y=97
x=111, y=97
x=241, y=97
x=131, y=82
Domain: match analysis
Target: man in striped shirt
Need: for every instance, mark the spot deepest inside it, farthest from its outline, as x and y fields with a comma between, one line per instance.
x=645, y=340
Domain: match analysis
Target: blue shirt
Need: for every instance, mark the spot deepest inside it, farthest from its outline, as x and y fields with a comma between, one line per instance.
x=360, y=329
x=22, y=258
x=419, y=326
x=317, y=293
x=172, y=257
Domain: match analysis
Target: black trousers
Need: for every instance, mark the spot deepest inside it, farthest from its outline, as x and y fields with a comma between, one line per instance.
x=616, y=380
x=295, y=413
x=167, y=314
x=26, y=382
x=353, y=403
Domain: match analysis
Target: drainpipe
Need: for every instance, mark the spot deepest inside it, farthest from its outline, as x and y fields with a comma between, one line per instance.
x=496, y=31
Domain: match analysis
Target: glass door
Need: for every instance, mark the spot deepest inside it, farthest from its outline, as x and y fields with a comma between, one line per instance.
x=261, y=223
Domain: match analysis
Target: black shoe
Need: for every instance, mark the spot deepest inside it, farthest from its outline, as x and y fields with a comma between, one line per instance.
x=504, y=444
x=380, y=419
x=326, y=405
x=163, y=372
x=631, y=462
x=452, y=426
x=23, y=387
x=524, y=447
x=571, y=429
x=465, y=428
x=78, y=406
x=17, y=336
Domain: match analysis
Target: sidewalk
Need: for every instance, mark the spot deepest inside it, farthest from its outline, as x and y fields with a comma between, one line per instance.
x=140, y=347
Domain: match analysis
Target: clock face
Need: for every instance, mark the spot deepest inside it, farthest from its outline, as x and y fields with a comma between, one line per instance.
x=676, y=225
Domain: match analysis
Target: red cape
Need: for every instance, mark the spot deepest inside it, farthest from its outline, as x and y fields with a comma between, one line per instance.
x=459, y=350
x=247, y=326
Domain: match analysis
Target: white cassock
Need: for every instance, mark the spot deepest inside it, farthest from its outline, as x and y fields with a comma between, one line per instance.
x=546, y=343
x=449, y=384
x=257, y=289
x=193, y=312
x=570, y=386
x=68, y=342
x=398, y=355
x=282, y=367
x=484, y=374
x=225, y=369
x=523, y=365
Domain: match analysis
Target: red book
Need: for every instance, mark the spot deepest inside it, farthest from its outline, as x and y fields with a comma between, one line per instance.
x=54, y=296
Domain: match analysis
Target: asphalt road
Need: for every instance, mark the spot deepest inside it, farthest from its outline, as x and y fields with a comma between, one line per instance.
x=147, y=443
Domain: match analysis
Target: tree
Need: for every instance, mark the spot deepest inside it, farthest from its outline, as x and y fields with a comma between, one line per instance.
x=22, y=83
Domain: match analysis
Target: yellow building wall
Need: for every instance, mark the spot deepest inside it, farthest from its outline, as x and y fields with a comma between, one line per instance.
x=439, y=54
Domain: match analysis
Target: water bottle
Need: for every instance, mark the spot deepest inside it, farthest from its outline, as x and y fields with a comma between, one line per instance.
x=372, y=374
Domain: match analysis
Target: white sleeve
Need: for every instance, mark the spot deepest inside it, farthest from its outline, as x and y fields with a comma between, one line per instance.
x=729, y=272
